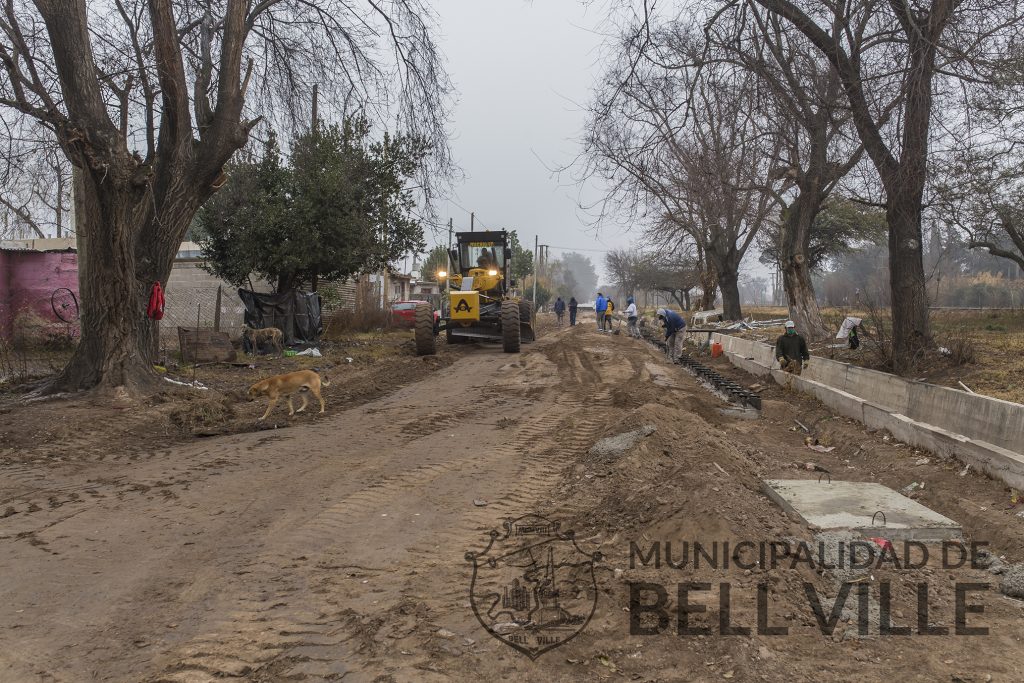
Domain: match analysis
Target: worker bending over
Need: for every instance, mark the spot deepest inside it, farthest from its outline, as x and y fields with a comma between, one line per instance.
x=675, y=331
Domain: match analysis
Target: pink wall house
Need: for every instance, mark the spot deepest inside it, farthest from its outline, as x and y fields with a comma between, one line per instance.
x=28, y=280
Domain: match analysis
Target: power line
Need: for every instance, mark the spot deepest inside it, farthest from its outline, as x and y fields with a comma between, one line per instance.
x=469, y=212
x=599, y=251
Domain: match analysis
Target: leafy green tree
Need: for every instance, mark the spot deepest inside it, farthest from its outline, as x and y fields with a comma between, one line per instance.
x=437, y=260
x=543, y=292
x=522, y=259
x=583, y=272
x=240, y=226
x=561, y=279
x=342, y=206
x=840, y=227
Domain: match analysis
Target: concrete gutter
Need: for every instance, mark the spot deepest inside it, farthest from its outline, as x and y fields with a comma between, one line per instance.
x=987, y=433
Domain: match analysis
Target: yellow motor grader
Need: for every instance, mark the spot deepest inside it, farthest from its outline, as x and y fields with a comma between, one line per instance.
x=478, y=303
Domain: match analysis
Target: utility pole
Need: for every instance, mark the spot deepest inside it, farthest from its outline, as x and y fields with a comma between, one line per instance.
x=536, y=271
x=542, y=262
x=448, y=279
x=472, y=221
x=316, y=93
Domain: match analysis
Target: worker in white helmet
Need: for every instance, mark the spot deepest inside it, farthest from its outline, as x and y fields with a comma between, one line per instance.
x=791, y=350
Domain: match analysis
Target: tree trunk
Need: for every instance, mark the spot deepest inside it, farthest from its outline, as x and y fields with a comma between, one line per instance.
x=686, y=299
x=117, y=342
x=910, y=329
x=904, y=191
x=729, y=283
x=795, y=242
x=709, y=289
x=124, y=246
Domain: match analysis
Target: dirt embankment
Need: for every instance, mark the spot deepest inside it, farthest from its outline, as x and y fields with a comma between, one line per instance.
x=360, y=369
x=338, y=549
x=983, y=349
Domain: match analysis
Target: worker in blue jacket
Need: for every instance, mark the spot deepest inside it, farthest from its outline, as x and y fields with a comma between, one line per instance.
x=600, y=306
x=675, y=332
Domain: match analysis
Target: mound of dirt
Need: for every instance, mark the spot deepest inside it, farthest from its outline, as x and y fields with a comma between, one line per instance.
x=203, y=411
x=620, y=443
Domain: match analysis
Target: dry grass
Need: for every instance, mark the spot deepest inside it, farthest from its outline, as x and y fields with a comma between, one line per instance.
x=200, y=411
x=342, y=323
x=986, y=348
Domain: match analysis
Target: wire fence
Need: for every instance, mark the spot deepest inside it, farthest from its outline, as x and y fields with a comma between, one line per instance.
x=35, y=341
x=205, y=307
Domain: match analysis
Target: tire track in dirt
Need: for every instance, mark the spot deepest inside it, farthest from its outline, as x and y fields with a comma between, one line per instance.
x=528, y=460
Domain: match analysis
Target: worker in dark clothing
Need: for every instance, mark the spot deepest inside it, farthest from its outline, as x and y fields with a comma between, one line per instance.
x=559, y=309
x=675, y=332
x=791, y=350
x=573, y=305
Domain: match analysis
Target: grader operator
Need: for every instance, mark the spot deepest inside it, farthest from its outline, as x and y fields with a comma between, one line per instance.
x=478, y=302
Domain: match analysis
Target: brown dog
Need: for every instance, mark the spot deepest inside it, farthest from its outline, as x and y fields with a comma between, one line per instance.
x=258, y=336
x=285, y=385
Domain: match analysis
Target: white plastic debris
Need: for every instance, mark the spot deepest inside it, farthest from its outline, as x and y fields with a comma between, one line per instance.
x=195, y=385
x=315, y=353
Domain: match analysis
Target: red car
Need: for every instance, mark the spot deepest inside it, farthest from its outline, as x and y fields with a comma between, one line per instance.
x=403, y=314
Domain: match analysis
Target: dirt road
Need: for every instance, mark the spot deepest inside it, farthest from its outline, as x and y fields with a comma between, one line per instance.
x=336, y=549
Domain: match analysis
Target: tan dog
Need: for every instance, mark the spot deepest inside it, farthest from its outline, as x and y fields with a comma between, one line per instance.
x=258, y=336
x=285, y=385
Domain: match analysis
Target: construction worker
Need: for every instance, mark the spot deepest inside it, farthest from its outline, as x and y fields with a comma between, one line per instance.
x=675, y=331
x=573, y=305
x=631, y=318
x=791, y=350
x=600, y=306
x=608, y=315
x=559, y=309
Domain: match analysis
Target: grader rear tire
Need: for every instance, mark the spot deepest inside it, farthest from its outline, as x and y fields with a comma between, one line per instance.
x=526, y=321
x=425, y=341
x=510, y=332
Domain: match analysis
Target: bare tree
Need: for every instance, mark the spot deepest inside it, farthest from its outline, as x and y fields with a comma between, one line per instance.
x=675, y=274
x=806, y=109
x=681, y=147
x=149, y=98
x=983, y=198
x=878, y=48
x=35, y=181
x=623, y=266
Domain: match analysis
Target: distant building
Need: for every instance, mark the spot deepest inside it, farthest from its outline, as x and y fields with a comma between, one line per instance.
x=31, y=272
x=425, y=288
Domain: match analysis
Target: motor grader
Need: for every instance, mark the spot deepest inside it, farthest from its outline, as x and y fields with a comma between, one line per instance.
x=478, y=303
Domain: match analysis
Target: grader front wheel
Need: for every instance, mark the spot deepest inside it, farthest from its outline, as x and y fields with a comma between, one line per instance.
x=425, y=341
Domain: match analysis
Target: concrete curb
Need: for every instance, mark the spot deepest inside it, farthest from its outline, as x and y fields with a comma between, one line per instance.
x=987, y=433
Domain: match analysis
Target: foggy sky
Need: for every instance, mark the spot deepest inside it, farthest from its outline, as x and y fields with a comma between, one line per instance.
x=524, y=71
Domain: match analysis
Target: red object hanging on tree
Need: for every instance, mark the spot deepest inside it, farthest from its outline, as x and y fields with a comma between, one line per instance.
x=155, y=310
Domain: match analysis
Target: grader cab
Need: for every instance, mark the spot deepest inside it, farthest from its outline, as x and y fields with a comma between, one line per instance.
x=479, y=303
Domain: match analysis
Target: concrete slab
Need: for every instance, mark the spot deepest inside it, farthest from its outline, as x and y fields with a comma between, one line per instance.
x=852, y=504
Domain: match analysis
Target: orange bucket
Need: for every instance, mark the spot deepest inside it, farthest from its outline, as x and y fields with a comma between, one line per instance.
x=716, y=350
